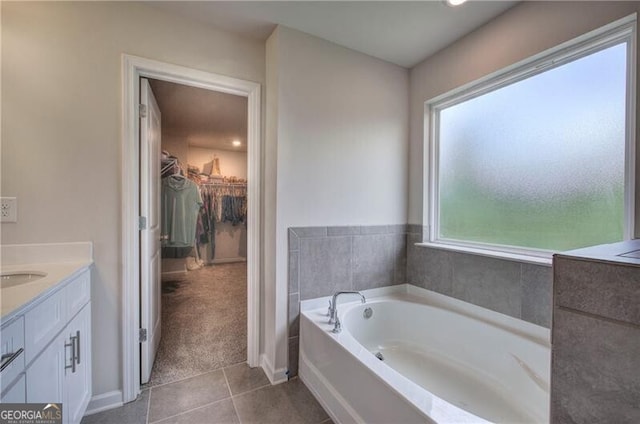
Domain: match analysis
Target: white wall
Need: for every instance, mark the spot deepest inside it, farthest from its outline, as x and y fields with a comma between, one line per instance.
x=232, y=164
x=521, y=32
x=61, y=128
x=338, y=134
x=268, y=296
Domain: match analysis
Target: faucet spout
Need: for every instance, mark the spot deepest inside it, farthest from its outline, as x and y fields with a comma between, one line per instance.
x=333, y=306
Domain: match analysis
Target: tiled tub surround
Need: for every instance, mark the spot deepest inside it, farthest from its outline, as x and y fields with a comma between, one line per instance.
x=520, y=290
x=323, y=260
x=596, y=335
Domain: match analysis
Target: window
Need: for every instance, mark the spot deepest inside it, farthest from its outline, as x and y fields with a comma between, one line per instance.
x=538, y=159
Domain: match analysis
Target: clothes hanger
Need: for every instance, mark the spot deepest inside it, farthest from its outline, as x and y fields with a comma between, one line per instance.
x=179, y=175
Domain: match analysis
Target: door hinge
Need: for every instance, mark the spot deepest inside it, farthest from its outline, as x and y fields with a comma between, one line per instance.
x=142, y=223
x=142, y=110
x=143, y=335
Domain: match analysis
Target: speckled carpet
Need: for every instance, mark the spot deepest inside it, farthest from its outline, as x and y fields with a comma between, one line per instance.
x=204, y=323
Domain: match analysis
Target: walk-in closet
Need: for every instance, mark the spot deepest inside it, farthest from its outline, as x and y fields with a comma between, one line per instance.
x=203, y=212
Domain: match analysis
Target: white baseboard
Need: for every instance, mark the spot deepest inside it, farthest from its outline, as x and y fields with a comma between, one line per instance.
x=275, y=376
x=104, y=402
x=228, y=260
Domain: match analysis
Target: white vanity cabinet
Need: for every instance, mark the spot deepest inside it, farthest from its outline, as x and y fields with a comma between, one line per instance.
x=56, y=364
x=45, y=375
x=12, y=340
x=17, y=392
x=77, y=385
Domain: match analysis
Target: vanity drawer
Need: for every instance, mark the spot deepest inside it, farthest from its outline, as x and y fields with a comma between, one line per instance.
x=78, y=293
x=12, y=348
x=43, y=323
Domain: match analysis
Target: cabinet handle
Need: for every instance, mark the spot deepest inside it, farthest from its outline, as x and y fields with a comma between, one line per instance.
x=77, y=340
x=8, y=358
x=72, y=345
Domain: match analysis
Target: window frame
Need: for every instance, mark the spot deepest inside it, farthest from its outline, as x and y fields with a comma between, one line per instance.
x=623, y=30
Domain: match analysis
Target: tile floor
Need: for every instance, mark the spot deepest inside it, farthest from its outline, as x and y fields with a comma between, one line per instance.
x=193, y=379
x=235, y=394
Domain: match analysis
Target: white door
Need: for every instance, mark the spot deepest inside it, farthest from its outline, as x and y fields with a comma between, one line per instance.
x=150, y=255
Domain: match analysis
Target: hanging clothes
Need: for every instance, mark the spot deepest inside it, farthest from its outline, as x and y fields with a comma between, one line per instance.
x=208, y=222
x=181, y=202
x=222, y=202
x=234, y=209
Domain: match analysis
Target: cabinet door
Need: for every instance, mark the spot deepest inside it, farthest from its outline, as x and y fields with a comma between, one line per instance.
x=45, y=375
x=43, y=322
x=17, y=392
x=78, y=383
x=12, y=341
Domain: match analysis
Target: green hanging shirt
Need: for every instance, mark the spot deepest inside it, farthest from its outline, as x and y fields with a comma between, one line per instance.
x=181, y=202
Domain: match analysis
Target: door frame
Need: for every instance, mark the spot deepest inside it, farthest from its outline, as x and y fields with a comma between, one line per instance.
x=133, y=68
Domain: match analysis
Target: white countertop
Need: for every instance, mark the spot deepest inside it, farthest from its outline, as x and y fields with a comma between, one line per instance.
x=14, y=299
x=60, y=261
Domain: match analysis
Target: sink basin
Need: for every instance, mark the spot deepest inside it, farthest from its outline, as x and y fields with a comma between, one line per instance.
x=11, y=279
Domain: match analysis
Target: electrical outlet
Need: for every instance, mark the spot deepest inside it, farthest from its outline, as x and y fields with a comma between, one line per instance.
x=8, y=209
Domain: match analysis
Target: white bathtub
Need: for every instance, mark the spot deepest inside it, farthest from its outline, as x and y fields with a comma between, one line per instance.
x=445, y=361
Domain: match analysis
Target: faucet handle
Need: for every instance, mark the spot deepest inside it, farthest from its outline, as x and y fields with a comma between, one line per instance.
x=330, y=312
x=338, y=327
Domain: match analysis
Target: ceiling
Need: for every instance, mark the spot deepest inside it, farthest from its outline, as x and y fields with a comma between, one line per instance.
x=400, y=32
x=204, y=118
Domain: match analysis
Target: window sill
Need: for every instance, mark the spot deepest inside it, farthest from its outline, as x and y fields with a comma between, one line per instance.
x=536, y=260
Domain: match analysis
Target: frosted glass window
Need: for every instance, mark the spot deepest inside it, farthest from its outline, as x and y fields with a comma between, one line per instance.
x=539, y=163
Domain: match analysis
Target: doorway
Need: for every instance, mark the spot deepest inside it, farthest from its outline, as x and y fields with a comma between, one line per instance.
x=134, y=69
x=203, y=215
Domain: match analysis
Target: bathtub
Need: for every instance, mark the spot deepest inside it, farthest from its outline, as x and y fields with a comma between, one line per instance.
x=424, y=357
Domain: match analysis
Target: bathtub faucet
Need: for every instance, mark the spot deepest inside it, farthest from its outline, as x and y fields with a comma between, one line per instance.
x=333, y=308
